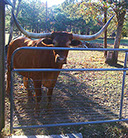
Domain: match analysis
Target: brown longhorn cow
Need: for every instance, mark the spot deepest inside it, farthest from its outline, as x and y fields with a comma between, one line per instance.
x=39, y=59
x=43, y=58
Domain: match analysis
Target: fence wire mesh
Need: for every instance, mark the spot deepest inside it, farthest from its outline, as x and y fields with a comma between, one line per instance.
x=79, y=96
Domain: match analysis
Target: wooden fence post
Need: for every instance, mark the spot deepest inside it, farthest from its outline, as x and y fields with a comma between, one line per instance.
x=2, y=66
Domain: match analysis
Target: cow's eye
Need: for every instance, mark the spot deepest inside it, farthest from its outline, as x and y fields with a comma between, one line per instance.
x=54, y=42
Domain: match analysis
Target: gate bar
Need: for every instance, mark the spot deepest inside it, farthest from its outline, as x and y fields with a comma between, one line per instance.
x=76, y=49
x=70, y=124
x=77, y=69
x=123, y=83
x=11, y=104
x=54, y=48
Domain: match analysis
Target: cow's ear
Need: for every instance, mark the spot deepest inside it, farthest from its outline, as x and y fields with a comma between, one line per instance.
x=75, y=43
x=47, y=41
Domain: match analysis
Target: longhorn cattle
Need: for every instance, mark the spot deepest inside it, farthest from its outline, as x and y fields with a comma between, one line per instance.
x=43, y=58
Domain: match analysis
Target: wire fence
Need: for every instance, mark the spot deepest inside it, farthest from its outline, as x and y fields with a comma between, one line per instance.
x=84, y=93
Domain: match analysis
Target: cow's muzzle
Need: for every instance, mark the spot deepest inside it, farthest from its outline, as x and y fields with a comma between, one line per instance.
x=60, y=59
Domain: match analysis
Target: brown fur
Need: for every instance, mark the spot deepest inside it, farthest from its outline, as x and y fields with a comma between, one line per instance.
x=38, y=59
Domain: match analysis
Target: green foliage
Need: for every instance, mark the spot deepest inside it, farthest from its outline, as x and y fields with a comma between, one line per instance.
x=85, y=17
x=7, y=18
x=125, y=28
x=61, y=22
x=31, y=15
x=119, y=3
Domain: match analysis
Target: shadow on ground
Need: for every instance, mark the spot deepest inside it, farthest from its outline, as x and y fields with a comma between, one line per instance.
x=72, y=102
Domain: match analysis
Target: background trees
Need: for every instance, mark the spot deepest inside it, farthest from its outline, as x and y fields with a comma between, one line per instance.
x=11, y=21
x=84, y=17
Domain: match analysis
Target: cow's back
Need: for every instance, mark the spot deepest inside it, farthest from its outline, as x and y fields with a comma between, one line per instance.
x=33, y=59
x=19, y=42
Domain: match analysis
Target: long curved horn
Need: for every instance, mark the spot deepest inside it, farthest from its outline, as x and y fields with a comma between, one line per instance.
x=94, y=36
x=9, y=3
x=29, y=34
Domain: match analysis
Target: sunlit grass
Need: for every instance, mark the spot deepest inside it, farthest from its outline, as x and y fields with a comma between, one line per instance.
x=123, y=41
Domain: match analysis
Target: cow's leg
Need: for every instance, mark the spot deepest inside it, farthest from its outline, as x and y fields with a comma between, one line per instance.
x=26, y=82
x=49, y=97
x=37, y=86
x=49, y=94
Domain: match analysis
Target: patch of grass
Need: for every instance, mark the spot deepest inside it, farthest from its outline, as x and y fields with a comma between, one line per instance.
x=111, y=41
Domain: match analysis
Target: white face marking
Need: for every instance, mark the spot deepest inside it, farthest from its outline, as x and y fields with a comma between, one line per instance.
x=68, y=43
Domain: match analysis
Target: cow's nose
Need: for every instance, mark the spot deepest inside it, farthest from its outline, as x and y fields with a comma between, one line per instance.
x=61, y=59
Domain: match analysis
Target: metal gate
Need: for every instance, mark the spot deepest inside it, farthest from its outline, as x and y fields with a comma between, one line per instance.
x=74, y=100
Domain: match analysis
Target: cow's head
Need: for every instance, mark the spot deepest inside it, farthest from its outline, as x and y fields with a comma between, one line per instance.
x=62, y=39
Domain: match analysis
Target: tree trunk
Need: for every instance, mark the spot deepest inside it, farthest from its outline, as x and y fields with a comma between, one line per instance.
x=112, y=57
x=120, y=19
x=117, y=42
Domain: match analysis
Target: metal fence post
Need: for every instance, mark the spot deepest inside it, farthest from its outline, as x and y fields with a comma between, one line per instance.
x=2, y=71
x=123, y=85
